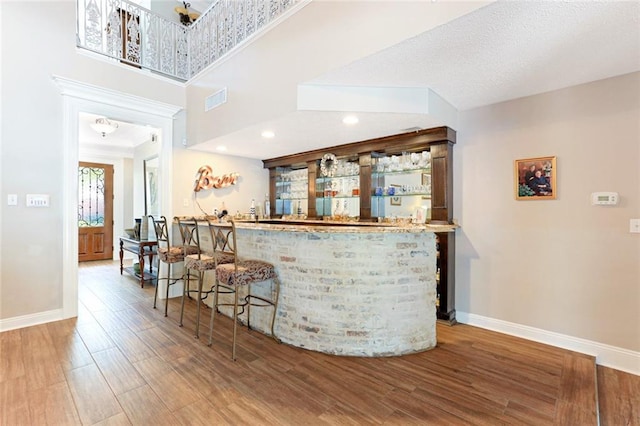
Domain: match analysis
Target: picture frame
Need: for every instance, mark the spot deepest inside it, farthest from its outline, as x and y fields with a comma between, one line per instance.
x=151, y=187
x=535, y=178
x=395, y=201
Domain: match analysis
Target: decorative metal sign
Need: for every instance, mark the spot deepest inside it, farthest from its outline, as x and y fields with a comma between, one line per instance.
x=206, y=180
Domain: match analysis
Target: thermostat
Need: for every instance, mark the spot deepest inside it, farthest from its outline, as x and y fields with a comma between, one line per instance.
x=604, y=198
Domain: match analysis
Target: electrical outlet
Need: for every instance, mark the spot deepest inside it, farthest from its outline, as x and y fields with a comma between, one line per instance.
x=12, y=199
x=634, y=226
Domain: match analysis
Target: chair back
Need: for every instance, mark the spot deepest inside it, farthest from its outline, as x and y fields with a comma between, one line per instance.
x=189, y=233
x=223, y=238
x=162, y=231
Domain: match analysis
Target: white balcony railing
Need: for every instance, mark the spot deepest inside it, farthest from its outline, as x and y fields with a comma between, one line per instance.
x=128, y=32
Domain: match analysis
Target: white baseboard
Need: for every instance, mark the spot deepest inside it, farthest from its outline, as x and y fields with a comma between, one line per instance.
x=606, y=355
x=31, y=319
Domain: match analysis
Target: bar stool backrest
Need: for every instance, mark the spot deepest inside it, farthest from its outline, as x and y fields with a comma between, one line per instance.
x=223, y=238
x=162, y=231
x=188, y=229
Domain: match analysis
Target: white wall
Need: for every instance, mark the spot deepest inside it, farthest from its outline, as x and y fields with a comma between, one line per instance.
x=558, y=265
x=32, y=147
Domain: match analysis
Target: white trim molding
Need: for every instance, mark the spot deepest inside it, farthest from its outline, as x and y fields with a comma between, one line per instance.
x=80, y=97
x=606, y=355
x=30, y=320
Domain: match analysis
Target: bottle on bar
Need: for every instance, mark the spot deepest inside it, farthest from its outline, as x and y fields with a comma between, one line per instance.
x=267, y=207
x=252, y=210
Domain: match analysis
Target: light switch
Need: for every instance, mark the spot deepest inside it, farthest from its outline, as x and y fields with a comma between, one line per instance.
x=12, y=199
x=37, y=200
x=634, y=226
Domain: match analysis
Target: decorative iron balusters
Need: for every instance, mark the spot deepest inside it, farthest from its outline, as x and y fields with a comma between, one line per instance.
x=128, y=32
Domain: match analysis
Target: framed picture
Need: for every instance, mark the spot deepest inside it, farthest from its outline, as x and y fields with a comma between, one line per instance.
x=395, y=201
x=151, y=190
x=535, y=178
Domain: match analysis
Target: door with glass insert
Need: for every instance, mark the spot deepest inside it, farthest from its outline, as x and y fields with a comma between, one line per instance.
x=95, y=211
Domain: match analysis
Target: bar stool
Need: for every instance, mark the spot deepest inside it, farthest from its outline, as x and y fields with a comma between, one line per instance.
x=232, y=276
x=202, y=262
x=170, y=255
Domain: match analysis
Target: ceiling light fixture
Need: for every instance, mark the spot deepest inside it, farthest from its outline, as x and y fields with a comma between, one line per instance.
x=221, y=148
x=350, y=119
x=186, y=17
x=268, y=134
x=104, y=126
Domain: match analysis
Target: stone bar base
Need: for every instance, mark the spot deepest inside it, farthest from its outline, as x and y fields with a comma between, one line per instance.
x=359, y=291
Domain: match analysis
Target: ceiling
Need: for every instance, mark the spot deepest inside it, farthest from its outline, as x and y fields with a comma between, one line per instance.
x=121, y=142
x=503, y=51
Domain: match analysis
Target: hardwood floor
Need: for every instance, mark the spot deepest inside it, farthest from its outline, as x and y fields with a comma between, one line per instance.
x=121, y=362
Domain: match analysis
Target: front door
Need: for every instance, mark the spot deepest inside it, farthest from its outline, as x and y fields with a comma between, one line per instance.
x=95, y=211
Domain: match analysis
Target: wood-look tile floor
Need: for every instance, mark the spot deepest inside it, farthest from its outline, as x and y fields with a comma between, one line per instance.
x=121, y=362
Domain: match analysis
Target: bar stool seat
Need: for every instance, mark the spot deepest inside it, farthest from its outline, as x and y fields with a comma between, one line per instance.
x=175, y=254
x=231, y=277
x=245, y=272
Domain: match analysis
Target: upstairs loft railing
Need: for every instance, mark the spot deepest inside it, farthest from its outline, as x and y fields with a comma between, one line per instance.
x=127, y=32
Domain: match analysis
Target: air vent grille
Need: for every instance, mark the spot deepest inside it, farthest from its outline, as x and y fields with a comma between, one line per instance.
x=215, y=100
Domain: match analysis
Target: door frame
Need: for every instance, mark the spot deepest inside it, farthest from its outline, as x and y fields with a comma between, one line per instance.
x=80, y=97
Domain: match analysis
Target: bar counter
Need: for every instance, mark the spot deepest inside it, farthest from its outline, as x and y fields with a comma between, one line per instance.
x=357, y=289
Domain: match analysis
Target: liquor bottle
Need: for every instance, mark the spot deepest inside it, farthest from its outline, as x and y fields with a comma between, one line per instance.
x=337, y=212
x=252, y=210
x=299, y=210
x=267, y=207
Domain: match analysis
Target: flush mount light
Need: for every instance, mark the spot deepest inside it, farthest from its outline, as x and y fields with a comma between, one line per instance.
x=268, y=134
x=350, y=119
x=104, y=126
x=221, y=148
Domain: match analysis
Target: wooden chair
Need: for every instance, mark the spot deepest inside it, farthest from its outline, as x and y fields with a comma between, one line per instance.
x=202, y=261
x=241, y=273
x=170, y=255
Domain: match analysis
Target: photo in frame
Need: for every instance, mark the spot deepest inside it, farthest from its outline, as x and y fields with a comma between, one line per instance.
x=535, y=178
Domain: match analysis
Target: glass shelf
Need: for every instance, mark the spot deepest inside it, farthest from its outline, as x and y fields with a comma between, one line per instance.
x=402, y=172
x=423, y=195
x=330, y=178
x=348, y=197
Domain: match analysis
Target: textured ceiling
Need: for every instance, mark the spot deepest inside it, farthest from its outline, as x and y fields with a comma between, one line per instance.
x=508, y=50
x=503, y=51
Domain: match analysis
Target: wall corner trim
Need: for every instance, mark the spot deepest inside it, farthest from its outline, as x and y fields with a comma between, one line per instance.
x=606, y=355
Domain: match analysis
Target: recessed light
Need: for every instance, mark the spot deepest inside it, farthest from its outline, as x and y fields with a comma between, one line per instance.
x=221, y=148
x=268, y=134
x=350, y=119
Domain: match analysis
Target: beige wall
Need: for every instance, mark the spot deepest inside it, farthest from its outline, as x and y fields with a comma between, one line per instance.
x=558, y=265
x=252, y=183
x=32, y=147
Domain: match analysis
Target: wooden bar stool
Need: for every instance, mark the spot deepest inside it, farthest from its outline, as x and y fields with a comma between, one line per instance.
x=170, y=255
x=202, y=261
x=241, y=273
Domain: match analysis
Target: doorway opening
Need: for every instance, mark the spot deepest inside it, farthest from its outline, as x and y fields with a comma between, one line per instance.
x=80, y=97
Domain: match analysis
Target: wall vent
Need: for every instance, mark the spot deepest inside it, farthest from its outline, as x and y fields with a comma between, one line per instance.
x=215, y=100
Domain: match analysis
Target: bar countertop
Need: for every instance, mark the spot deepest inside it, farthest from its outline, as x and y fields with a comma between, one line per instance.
x=322, y=226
